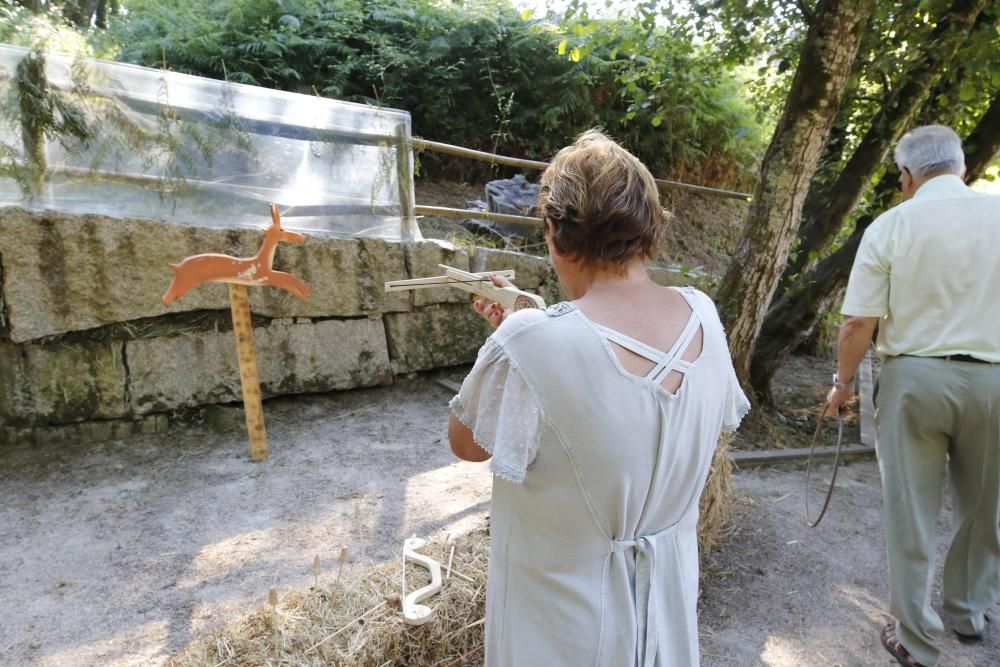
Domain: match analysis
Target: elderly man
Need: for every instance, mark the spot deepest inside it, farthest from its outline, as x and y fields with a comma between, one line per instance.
x=927, y=274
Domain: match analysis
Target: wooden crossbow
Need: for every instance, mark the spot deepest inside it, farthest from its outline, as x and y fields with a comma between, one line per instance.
x=474, y=283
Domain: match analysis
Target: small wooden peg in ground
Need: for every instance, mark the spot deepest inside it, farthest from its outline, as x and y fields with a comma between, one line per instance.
x=343, y=560
x=238, y=273
x=451, y=557
x=272, y=599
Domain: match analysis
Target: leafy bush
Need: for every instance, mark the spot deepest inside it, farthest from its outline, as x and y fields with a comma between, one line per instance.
x=49, y=31
x=674, y=103
x=474, y=73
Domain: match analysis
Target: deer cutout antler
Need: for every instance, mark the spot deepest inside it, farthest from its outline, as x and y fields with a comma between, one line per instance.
x=217, y=268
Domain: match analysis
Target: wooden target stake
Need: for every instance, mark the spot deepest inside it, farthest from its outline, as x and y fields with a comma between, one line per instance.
x=246, y=354
x=238, y=272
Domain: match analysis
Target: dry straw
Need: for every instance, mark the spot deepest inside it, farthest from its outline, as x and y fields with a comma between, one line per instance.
x=356, y=620
x=716, y=500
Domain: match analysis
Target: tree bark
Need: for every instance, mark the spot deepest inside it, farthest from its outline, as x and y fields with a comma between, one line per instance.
x=982, y=146
x=101, y=14
x=792, y=317
x=80, y=12
x=791, y=159
x=827, y=208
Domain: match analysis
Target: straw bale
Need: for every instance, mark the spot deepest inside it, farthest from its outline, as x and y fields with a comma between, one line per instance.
x=716, y=499
x=358, y=622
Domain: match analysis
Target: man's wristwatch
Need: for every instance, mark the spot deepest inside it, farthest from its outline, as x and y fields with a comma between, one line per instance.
x=842, y=385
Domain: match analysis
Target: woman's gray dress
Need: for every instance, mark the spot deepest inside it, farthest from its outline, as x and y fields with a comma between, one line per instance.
x=597, y=476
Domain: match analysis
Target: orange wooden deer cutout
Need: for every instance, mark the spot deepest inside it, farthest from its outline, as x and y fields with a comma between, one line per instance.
x=239, y=272
x=217, y=268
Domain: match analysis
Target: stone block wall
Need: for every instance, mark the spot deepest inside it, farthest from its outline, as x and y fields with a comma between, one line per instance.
x=88, y=349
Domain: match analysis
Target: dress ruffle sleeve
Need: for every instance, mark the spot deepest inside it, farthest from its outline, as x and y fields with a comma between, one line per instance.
x=737, y=405
x=497, y=405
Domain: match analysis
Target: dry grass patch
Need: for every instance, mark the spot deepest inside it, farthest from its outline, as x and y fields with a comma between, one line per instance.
x=357, y=621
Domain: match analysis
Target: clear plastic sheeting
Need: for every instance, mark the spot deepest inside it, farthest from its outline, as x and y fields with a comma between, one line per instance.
x=190, y=150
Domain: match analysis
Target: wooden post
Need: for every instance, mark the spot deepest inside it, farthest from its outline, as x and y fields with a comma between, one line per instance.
x=404, y=173
x=239, y=303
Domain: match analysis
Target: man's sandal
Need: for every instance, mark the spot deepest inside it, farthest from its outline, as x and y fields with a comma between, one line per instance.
x=975, y=637
x=896, y=648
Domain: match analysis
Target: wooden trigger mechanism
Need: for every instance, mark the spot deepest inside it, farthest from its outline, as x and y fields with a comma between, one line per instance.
x=415, y=613
x=474, y=283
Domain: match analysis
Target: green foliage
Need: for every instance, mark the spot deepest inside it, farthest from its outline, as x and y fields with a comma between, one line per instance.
x=673, y=99
x=767, y=35
x=477, y=73
x=49, y=31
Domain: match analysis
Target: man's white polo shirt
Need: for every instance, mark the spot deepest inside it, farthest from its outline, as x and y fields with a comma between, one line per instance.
x=930, y=268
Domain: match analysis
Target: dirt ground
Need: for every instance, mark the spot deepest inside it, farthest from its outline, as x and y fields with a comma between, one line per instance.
x=118, y=554
x=781, y=594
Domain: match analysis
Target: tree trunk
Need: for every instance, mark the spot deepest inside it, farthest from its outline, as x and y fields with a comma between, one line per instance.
x=792, y=317
x=827, y=208
x=101, y=15
x=982, y=146
x=80, y=12
x=772, y=221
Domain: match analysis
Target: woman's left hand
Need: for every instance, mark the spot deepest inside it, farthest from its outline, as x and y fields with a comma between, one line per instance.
x=494, y=313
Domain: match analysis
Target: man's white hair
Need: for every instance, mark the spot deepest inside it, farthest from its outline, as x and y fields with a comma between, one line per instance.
x=931, y=149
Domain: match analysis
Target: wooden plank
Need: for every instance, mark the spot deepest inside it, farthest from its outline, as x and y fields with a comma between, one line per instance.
x=445, y=212
x=239, y=303
x=493, y=158
x=450, y=385
x=764, y=457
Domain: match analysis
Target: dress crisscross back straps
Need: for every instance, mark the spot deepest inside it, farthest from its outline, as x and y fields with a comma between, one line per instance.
x=664, y=363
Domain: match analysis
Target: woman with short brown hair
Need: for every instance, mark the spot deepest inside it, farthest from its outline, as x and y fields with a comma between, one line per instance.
x=600, y=204
x=600, y=416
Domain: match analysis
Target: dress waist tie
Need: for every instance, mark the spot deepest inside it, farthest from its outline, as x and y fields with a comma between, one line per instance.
x=647, y=549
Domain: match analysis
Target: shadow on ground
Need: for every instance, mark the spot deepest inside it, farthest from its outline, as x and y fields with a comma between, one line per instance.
x=781, y=594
